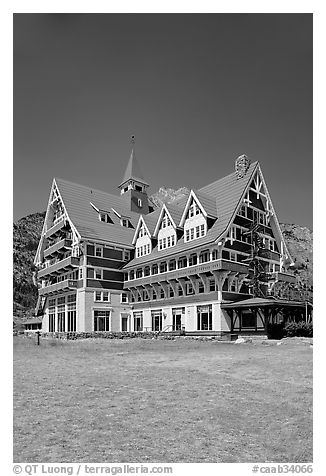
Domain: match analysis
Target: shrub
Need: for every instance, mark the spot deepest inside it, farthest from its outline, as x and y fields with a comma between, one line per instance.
x=275, y=331
x=298, y=329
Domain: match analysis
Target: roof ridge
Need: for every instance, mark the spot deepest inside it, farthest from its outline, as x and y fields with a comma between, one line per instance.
x=220, y=179
x=87, y=187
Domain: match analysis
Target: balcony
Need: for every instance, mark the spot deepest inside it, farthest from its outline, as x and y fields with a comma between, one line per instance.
x=218, y=265
x=56, y=229
x=57, y=268
x=61, y=245
x=285, y=277
x=66, y=285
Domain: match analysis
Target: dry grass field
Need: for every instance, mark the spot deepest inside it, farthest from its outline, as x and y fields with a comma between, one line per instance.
x=162, y=401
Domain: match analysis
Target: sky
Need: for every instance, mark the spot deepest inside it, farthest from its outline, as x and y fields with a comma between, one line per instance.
x=197, y=91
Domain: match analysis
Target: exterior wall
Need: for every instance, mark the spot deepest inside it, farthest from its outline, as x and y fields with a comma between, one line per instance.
x=114, y=305
x=81, y=311
x=144, y=240
x=166, y=232
x=194, y=221
x=220, y=320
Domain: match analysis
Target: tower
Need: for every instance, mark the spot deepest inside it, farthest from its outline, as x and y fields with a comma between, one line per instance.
x=133, y=188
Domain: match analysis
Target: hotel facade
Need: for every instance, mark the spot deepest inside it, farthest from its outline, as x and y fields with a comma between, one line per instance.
x=208, y=263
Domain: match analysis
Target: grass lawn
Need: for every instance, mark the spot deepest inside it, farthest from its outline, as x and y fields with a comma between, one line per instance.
x=160, y=401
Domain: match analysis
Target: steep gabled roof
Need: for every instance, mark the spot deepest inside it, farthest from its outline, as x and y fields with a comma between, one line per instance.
x=175, y=212
x=208, y=202
x=77, y=200
x=227, y=193
x=133, y=170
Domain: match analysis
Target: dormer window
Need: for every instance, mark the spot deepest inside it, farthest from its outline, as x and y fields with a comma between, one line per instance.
x=104, y=217
x=142, y=231
x=193, y=210
x=166, y=221
x=138, y=188
x=124, y=222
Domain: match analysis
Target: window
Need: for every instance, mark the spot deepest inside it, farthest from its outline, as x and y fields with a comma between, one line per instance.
x=163, y=267
x=166, y=221
x=131, y=274
x=98, y=273
x=187, y=236
x=101, y=296
x=101, y=320
x=157, y=320
x=248, y=319
x=182, y=262
x=145, y=295
x=189, y=289
x=138, y=188
x=139, y=273
x=124, y=222
x=177, y=314
x=154, y=269
x=180, y=290
x=99, y=251
x=162, y=294
x=105, y=296
x=171, y=292
x=138, y=321
x=124, y=298
x=139, y=203
x=212, y=285
x=193, y=260
x=126, y=255
x=201, y=288
x=172, y=265
x=80, y=273
x=71, y=309
x=61, y=314
x=104, y=217
x=233, y=285
x=243, y=211
x=204, y=256
x=147, y=271
x=204, y=318
x=52, y=315
x=233, y=256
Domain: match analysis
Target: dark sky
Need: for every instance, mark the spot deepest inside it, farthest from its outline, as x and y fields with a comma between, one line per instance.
x=197, y=90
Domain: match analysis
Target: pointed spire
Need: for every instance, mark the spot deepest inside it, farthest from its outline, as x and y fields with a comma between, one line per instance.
x=133, y=171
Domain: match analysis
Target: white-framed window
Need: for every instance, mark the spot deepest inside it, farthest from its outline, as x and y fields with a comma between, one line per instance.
x=101, y=296
x=124, y=298
x=142, y=231
x=124, y=222
x=98, y=273
x=104, y=217
x=189, y=288
x=99, y=251
x=80, y=273
x=101, y=320
x=166, y=221
x=139, y=203
x=233, y=256
x=243, y=211
x=126, y=255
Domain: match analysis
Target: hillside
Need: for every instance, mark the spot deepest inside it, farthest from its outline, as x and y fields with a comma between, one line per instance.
x=28, y=230
x=26, y=235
